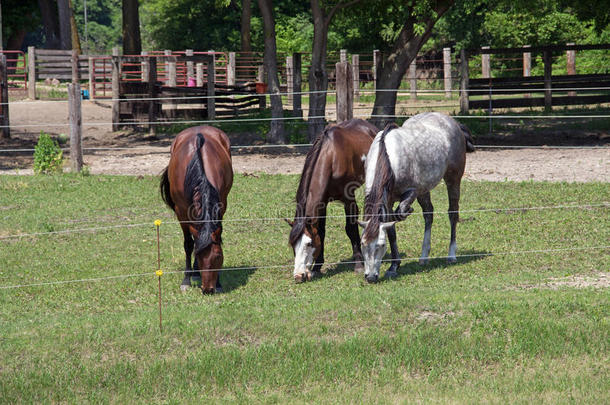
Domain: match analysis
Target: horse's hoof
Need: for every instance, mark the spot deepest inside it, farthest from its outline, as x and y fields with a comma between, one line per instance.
x=359, y=268
x=451, y=260
x=184, y=287
x=423, y=262
x=390, y=275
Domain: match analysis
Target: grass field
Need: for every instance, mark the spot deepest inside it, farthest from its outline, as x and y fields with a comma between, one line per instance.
x=499, y=326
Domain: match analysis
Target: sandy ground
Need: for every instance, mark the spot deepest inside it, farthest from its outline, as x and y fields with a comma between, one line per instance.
x=146, y=155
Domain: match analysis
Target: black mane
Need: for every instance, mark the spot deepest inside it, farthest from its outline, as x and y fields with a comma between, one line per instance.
x=301, y=198
x=376, y=202
x=203, y=199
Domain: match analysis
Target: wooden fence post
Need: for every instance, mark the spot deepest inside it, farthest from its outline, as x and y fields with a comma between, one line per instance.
x=447, y=71
x=527, y=65
x=32, y=72
x=145, y=66
x=345, y=91
x=231, y=74
x=571, y=66
x=413, y=78
x=199, y=74
x=190, y=66
x=548, y=70
x=485, y=65
x=289, y=80
x=4, y=107
x=91, y=64
x=297, y=110
x=76, y=127
x=343, y=55
x=116, y=77
x=152, y=94
x=463, y=82
x=172, y=105
x=211, y=104
x=356, y=70
x=376, y=57
x=74, y=63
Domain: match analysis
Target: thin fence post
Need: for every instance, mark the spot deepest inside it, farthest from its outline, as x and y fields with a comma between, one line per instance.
x=32, y=72
x=345, y=91
x=413, y=78
x=548, y=71
x=190, y=66
x=152, y=94
x=447, y=71
x=4, y=107
x=171, y=82
x=527, y=65
x=571, y=65
x=376, y=56
x=343, y=55
x=231, y=69
x=297, y=110
x=464, y=79
x=356, y=70
x=76, y=127
x=145, y=66
x=289, y=80
x=211, y=104
x=91, y=64
x=116, y=77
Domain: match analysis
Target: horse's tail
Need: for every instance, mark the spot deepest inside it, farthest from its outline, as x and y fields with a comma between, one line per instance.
x=165, y=189
x=383, y=184
x=203, y=199
x=468, y=137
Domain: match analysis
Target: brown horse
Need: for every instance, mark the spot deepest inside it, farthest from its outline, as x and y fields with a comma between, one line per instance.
x=333, y=170
x=195, y=184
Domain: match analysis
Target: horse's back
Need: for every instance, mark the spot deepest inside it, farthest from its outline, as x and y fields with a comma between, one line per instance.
x=348, y=146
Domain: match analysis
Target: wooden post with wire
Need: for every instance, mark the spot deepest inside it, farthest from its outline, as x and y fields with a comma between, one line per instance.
x=159, y=272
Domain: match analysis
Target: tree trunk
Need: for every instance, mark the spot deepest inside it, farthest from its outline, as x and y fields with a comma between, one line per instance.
x=246, y=17
x=73, y=30
x=276, y=134
x=393, y=66
x=132, y=44
x=318, y=77
x=65, y=34
x=48, y=11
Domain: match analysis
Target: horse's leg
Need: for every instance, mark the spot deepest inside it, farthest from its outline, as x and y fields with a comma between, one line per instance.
x=392, y=271
x=188, y=251
x=322, y=233
x=427, y=208
x=351, y=229
x=453, y=191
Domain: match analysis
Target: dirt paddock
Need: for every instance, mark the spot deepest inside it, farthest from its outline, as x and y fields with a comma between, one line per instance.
x=148, y=155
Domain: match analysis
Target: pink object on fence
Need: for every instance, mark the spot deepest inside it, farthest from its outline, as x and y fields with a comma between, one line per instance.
x=191, y=82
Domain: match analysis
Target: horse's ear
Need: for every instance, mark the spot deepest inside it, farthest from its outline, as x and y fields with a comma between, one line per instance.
x=363, y=224
x=289, y=222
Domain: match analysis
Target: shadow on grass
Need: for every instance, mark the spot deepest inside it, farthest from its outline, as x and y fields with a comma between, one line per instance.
x=232, y=280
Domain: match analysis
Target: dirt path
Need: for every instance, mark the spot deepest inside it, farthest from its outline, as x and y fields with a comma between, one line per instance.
x=148, y=155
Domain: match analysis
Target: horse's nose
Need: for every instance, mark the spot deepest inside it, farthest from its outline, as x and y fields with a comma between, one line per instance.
x=371, y=278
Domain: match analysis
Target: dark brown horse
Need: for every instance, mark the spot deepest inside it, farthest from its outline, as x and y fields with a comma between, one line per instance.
x=195, y=185
x=333, y=170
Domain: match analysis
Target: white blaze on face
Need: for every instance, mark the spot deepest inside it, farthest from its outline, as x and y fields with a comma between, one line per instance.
x=373, y=251
x=303, y=255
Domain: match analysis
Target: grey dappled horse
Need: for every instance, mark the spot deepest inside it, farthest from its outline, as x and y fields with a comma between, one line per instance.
x=404, y=164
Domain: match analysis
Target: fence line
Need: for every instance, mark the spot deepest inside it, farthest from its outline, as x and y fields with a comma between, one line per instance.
x=268, y=219
x=521, y=252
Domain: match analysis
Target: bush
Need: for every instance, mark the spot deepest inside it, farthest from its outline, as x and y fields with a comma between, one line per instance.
x=48, y=156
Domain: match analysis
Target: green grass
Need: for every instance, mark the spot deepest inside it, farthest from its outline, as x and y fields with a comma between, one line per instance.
x=472, y=332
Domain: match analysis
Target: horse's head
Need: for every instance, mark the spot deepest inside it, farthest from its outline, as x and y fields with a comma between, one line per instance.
x=307, y=245
x=210, y=261
x=373, y=245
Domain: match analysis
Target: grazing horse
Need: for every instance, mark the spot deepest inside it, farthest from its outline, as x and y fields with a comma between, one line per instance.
x=195, y=184
x=404, y=164
x=333, y=170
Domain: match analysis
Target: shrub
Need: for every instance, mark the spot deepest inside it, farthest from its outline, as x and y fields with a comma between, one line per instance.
x=48, y=156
